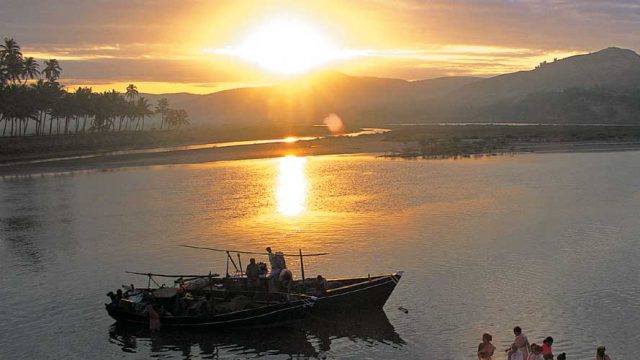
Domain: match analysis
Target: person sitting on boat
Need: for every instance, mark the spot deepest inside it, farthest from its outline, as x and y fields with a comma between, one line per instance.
x=321, y=285
x=253, y=274
x=285, y=279
x=274, y=274
x=114, y=300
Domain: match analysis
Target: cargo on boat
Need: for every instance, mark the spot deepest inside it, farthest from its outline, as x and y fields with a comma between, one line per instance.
x=212, y=306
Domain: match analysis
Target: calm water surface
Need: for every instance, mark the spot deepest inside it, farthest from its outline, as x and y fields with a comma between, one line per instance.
x=548, y=242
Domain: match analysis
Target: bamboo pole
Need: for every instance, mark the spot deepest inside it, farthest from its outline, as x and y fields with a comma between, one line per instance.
x=302, y=270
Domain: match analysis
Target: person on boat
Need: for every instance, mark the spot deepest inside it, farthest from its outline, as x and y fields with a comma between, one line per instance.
x=285, y=278
x=547, y=351
x=536, y=352
x=486, y=348
x=114, y=302
x=154, y=317
x=521, y=342
x=253, y=274
x=274, y=274
x=321, y=285
x=600, y=355
x=272, y=259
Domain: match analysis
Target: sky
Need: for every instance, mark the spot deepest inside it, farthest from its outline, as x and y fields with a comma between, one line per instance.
x=203, y=46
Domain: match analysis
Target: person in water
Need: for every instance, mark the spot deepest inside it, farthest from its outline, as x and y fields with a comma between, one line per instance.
x=486, y=348
x=547, y=351
x=562, y=356
x=600, y=355
x=515, y=353
x=536, y=352
x=521, y=342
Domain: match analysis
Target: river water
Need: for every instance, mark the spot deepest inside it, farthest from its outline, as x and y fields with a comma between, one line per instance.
x=548, y=242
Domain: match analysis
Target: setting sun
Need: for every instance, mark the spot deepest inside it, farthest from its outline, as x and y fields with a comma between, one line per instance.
x=285, y=46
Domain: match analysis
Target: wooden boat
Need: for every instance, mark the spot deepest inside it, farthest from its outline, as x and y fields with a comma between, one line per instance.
x=211, y=307
x=302, y=296
x=342, y=295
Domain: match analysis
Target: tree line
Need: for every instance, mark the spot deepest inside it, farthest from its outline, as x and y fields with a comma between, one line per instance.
x=33, y=102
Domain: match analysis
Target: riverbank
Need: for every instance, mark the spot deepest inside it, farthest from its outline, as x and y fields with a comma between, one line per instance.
x=370, y=144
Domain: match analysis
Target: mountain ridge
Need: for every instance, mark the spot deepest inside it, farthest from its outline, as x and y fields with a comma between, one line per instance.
x=376, y=100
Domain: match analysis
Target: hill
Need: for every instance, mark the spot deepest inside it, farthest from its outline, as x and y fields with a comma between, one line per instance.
x=597, y=87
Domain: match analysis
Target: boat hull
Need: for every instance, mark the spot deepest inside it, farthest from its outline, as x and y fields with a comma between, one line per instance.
x=359, y=295
x=264, y=316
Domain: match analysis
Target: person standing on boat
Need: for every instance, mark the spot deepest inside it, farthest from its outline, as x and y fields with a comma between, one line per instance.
x=275, y=270
x=253, y=274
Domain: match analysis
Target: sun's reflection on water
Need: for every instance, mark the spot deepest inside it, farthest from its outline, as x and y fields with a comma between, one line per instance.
x=291, y=191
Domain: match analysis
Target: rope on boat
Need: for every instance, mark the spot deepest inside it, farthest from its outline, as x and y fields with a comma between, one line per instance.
x=247, y=252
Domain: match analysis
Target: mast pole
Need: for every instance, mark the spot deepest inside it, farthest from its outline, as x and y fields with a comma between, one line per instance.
x=302, y=270
x=240, y=264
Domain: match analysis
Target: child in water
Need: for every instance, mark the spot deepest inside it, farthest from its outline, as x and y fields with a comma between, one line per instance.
x=547, y=351
x=486, y=348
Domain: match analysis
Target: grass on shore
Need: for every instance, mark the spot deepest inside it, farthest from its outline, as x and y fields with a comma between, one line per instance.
x=433, y=141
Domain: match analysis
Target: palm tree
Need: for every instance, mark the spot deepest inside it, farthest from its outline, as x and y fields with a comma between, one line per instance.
x=143, y=110
x=177, y=118
x=162, y=108
x=132, y=92
x=11, y=57
x=30, y=69
x=52, y=70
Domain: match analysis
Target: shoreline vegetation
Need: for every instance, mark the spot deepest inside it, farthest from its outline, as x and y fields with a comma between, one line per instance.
x=34, y=103
x=402, y=142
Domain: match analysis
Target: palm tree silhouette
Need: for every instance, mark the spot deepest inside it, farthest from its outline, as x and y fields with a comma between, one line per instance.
x=132, y=92
x=162, y=108
x=11, y=57
x=52, y=70
x=30, y=69
x=143, y=110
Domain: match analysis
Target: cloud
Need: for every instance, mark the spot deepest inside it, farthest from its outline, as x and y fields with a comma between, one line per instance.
x=106, y=41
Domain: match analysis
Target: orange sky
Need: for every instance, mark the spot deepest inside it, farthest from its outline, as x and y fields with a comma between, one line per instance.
x=170, y=46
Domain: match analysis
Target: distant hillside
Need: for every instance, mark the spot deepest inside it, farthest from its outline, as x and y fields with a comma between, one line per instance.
x=359, y=100
x=598, y=87
x=611, y=67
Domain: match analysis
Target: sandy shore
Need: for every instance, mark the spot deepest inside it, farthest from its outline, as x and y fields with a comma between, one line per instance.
x=329, y=146
x=373, y=144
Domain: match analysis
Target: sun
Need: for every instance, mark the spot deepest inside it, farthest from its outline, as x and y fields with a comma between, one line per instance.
x=285, y=46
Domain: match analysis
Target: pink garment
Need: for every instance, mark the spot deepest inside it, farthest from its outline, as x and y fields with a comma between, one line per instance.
x=522, y=343
x=154, y=318
x=533, y=356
